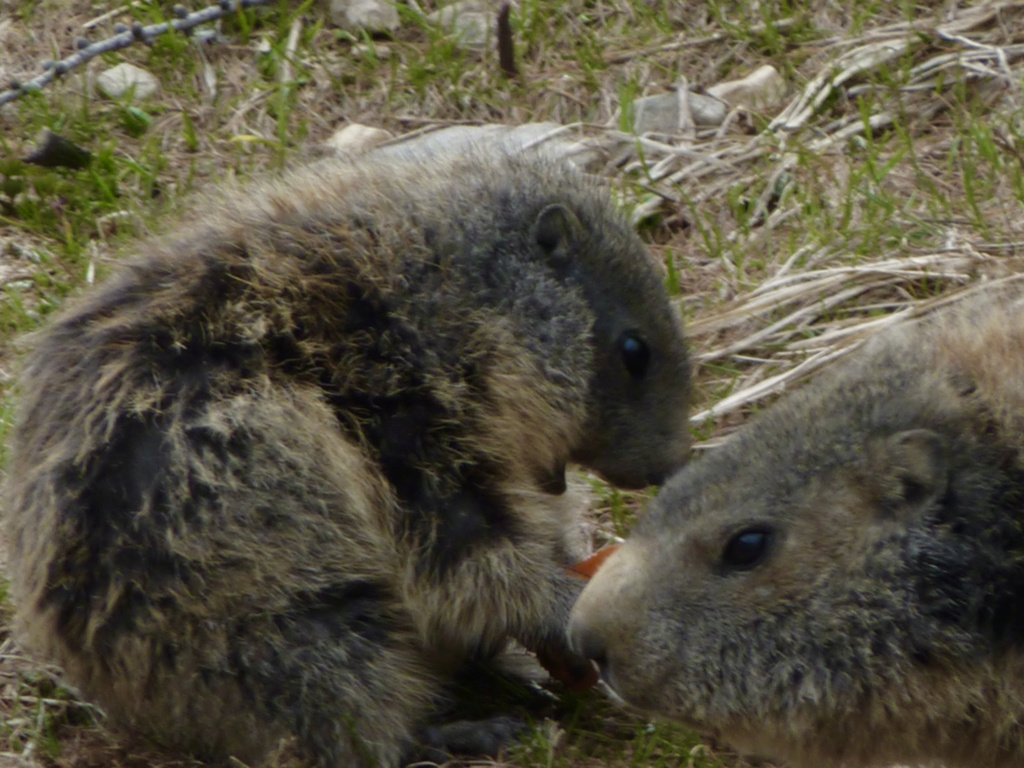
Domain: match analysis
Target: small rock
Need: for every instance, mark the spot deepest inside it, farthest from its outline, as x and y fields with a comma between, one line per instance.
x=761, y=89
x=120, y=80
x=369, y=15
x=380, y=52
x=661, y=113
x=471, y=21
x=355, y=139
x=550, y=138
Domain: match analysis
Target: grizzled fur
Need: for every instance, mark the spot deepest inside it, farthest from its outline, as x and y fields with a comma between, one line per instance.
x=291, y=466
x=842, y=583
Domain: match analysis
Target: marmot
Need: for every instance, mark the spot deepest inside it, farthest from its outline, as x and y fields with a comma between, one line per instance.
x=294, y=463
x=842, y=582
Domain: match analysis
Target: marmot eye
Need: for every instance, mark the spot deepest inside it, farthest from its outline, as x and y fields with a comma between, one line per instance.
x=747, y=548
x=635, y=354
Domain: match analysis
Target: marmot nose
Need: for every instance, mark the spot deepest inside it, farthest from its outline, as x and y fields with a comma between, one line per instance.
x=587, y=642
x=656, y=478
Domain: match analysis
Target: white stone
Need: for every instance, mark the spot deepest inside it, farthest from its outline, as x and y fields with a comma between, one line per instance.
x=586, y=153
x=380, y=52
x=371, y=15
x=761, y=89
x=470, y=21
x=120, y=80
x=661, y=113
x=355, y=139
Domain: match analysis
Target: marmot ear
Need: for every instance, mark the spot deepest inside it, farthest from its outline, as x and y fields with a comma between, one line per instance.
x=917, y=468
x=557, y=231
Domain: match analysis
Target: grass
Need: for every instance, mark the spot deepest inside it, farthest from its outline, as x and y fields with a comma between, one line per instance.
x=889, y=180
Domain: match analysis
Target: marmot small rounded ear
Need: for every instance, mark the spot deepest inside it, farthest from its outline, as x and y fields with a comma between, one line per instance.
x=556, y=230
x=917, y=463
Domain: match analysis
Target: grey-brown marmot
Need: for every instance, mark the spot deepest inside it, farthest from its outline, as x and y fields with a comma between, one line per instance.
x=294, y=463
x=842, y=582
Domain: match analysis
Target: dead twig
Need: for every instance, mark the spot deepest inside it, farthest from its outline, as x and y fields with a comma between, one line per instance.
x=138, y=33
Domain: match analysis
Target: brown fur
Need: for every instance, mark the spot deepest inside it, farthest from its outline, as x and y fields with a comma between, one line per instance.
x=842, y=583
x=290, y=467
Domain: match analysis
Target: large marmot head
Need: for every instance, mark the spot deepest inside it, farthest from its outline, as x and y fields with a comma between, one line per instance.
x=842, y=581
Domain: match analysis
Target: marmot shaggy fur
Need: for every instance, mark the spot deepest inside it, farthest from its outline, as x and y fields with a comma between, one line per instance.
x=842, y=582
x=293, y=464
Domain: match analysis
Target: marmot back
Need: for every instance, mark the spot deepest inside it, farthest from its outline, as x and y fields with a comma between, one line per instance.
x=842, y=582
x=294, y=463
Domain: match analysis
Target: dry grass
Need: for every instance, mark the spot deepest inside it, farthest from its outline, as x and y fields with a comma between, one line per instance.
x=888, y=183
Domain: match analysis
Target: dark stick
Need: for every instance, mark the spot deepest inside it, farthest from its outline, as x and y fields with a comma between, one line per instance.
x=506, y=51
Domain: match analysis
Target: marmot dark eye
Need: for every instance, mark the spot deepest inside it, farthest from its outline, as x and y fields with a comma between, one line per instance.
x=747, y=548
x=635, y=354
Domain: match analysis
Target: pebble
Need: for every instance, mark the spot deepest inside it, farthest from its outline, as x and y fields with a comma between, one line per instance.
x=661, y=113
x=586, y=153
x=761, y=89
x=363, y=51
x=470, y=21
x=118, y=81
x=370, y=15
x=355, y=139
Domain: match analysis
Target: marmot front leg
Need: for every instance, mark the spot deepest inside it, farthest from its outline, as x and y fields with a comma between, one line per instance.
x=549, y=639
x=354, y=688
x=479, y=738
